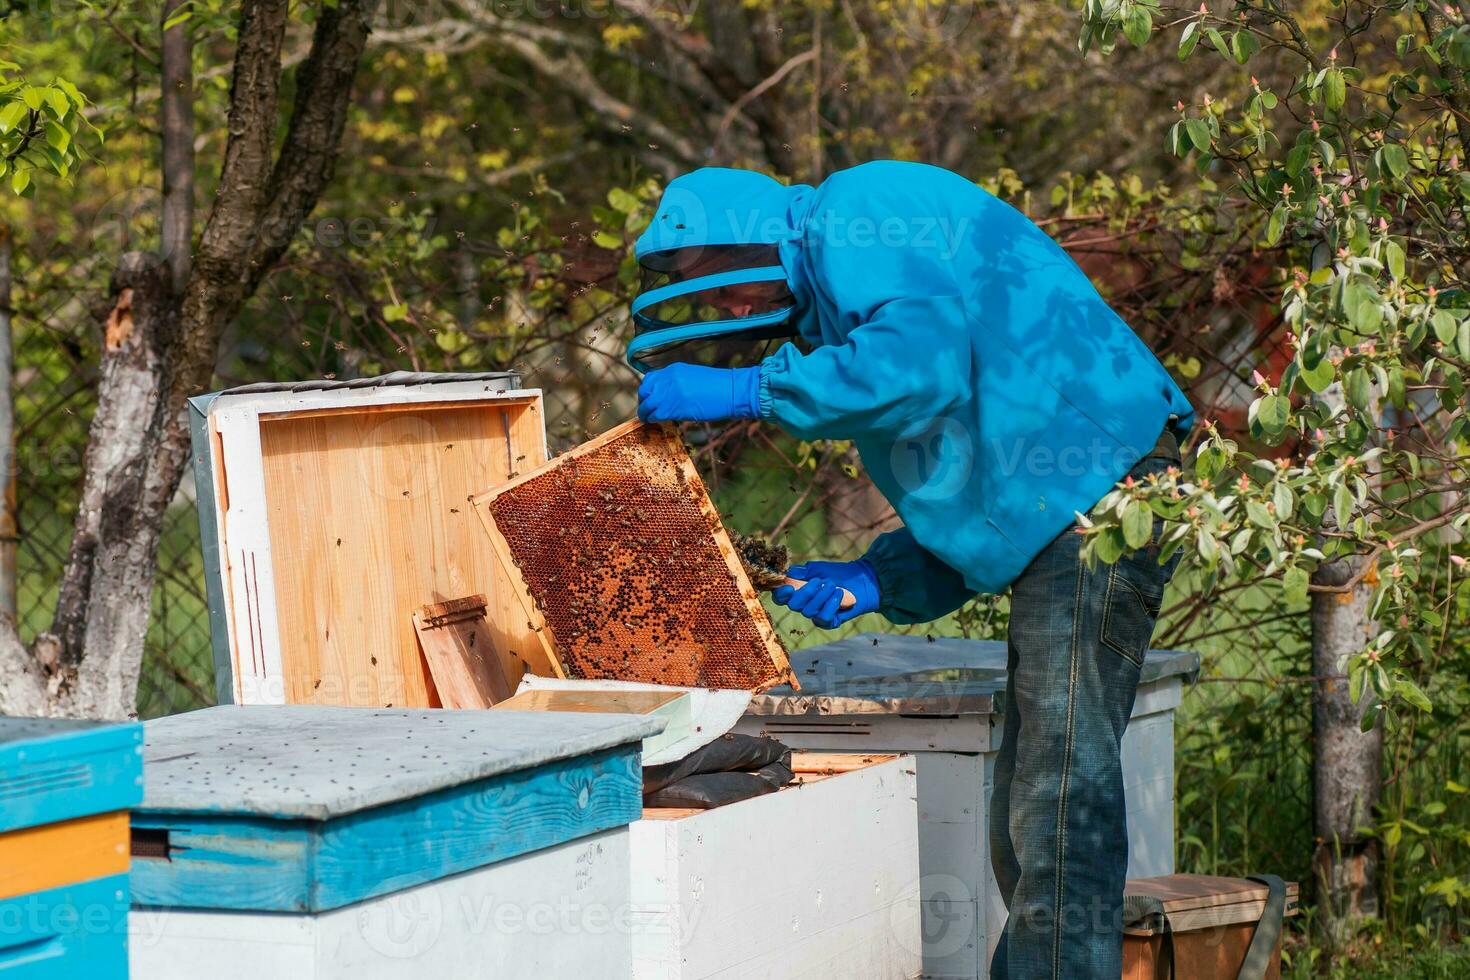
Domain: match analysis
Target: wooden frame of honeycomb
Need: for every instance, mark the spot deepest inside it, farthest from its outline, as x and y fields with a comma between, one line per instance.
x=624, y=570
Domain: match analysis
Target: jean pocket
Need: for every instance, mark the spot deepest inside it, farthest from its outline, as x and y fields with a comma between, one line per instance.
x=1130, y=611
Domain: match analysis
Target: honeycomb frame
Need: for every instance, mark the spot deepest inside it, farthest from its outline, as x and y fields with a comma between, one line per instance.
x=616, y=615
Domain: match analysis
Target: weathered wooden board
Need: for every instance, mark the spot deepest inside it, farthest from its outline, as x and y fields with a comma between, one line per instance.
x=307, y=809
x=57, y=769
x=709, y=899
x=51, y=855
x=460, y=650
x=552, y=913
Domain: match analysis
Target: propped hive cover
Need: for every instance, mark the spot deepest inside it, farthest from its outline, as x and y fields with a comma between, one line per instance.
x=625, y=570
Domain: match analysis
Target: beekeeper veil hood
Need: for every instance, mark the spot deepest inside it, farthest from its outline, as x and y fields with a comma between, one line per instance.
x=717, y=266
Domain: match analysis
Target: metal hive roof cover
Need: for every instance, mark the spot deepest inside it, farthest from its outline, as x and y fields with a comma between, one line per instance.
x=315, y=763
x=625, y=570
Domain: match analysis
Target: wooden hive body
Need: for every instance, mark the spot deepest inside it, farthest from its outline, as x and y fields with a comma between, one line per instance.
x=305, y=809
x=322, y=843
x=331, y=514
x=65, y=790
x=625, y=571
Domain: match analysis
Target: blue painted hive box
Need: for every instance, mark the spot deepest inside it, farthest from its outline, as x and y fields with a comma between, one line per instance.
x=307, y=809
x=65, y=789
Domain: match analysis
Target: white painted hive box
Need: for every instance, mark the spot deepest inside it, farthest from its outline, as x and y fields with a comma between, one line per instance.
x=334, y=843
x=330, y=511
x=943, y=701
x=819, y=879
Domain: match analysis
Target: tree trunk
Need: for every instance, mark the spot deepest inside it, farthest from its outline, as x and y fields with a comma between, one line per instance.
x=9, y=516
x=136, y=451
x=1347, y=765
x=1347, y=762
x=176, y=124
x=161, y=342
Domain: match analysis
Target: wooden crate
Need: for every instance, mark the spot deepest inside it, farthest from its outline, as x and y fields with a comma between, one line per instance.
x=1213, y=921
x=304, y=841
x=330, y=513
x=65, y=787
x=625, y=570
x=819, y=879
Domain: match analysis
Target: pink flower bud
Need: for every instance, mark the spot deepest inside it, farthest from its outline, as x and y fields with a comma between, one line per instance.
x=1459, y=560
x=1258, y=377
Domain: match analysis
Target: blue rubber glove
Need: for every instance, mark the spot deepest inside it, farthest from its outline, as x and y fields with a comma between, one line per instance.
x=690, y=393
x=820, y=599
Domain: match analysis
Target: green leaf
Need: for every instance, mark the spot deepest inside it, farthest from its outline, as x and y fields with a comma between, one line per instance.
x=11, y=115
x=1358, y=388
x=1464, y=341
x=1318, y=378
x=1199, y=133
x=1138, y=524
x=1138, y=25
x=1274, y=413
x=1342, y=504
x=57, y=136
x=394, y=312
x=622, y=200
x=1334, y=88
x=180, y=16
x=1109, y=546
x=1208, y=547
x=1412, y=693
x=608, y=240
x=1297, y=157
x=1218, y=40
x=1445, y=327
x=1284, y=500
x=1393, y=254
x=1188, y=39
x=1396, y=160
x=34, y=98
x=1275, y=225
x=1243, y=44
x=1294, y=585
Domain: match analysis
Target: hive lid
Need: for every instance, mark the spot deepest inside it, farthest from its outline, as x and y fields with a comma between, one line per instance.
x=331, y=511
x=625, y=571
x=1204, y=901
x=317, y=763
x=57, y=769
x=895, y=673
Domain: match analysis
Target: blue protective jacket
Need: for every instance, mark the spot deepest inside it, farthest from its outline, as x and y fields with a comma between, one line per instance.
x=990, y=390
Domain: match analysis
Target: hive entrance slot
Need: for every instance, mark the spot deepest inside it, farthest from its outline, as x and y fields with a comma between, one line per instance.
x=150, y=842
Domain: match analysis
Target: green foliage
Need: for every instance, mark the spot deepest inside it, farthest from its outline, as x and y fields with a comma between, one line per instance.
x=1348, y=171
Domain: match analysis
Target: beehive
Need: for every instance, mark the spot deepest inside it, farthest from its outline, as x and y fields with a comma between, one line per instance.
x=625, y=571
x=331, y=511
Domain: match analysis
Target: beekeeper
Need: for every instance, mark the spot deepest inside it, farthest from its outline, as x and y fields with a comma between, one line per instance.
x=993, y=395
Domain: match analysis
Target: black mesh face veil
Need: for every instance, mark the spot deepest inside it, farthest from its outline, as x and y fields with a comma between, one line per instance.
x=705, y=293
x=679, y=264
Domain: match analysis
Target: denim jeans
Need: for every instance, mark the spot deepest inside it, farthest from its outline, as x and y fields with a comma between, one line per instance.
x=1058, y=833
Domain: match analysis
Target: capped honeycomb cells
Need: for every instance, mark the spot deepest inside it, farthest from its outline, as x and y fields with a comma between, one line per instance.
x=623, y=556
